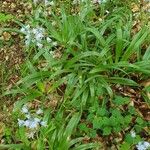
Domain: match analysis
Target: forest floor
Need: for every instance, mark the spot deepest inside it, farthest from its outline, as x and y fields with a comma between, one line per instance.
x=13, y=56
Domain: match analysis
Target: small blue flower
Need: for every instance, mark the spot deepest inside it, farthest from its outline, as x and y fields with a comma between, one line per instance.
x=27, y=123
x=37, y=120
x=33, y=124
x=21, y=122
x=143, y=145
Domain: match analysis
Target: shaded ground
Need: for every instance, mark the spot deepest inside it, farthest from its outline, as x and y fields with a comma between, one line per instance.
x=11, y=51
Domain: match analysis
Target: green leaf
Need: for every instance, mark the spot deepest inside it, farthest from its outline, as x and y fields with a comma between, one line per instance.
x=129, y=139
x=22, y=135
x=125, y=146
x=105, y=121
x=83, y=127
x=138, y=39
x=117, y=129
x=97, y=123
x=72, y=124
x=97, y=35
x=5, y=17
x=119, y=43
x=123, y=81
x=90, y=117
x=27, y=98
x=121, y=100
x=128, y=119
x=146, y=55
x=116, y=112
x=132, y=110
x=139, y=121
x=114, y=121
x=41, y=86
x=107, y=131
x=92, y=133
x=84, y=98
x=86, y=146
x=102, y=112
x=14, y=147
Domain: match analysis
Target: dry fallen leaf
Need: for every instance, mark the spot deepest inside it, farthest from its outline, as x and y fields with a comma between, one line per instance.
x=6, y=36
x=134, y=7
x=2, y=126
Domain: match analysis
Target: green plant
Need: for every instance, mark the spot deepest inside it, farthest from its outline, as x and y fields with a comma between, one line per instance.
x=108, y=121
x=108, y=62
x=5, y=17
x=82, y=54
x=56, y=137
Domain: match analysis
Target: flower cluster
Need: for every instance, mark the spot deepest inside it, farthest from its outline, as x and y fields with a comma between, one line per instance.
x=144, y=145
x=30, y=121
x=35, y=35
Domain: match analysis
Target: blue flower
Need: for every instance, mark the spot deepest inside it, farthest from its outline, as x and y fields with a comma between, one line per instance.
x=144, y=145
x=31, y=123
x=21, y=122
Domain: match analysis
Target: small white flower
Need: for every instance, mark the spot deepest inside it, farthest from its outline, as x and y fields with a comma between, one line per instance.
x=107, y=12
x=51, y=52
x=24, y=109
x=49, y=39
x=43, y=123
x=97, y=1
x=54, y=43
x=39, y=111
x=34, y=30
x=52, y=3
x=27, y=42
x=23, y=30
x=133, y=134
x=31, y=134
x=27, y=123
x=39, y=45
x=21, y=122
